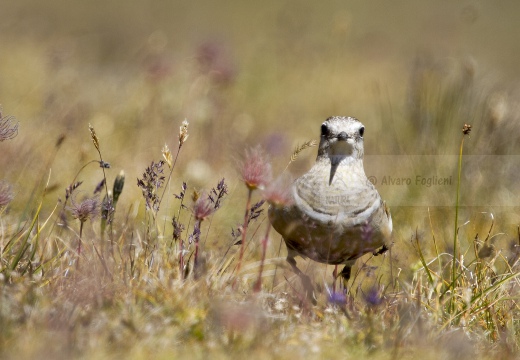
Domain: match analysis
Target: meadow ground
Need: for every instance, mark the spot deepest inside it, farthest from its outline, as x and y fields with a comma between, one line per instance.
x=141, y=257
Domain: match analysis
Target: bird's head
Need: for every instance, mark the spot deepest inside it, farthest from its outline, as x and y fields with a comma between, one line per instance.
x=341, y=137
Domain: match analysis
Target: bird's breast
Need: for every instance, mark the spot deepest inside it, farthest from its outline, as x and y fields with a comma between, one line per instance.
x=348, y=196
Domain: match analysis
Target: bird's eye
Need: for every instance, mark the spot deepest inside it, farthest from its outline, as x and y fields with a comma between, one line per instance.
x=324, y=130
x=361, y=131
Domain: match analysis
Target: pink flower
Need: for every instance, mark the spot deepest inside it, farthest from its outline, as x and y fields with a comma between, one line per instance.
x=6, y=193
x=278, y=193
x=8, y=127
x=256, y=169
x=203, y=207
x=87, y=209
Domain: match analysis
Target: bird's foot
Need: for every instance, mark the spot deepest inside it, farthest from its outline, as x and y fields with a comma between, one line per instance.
x=381, y=251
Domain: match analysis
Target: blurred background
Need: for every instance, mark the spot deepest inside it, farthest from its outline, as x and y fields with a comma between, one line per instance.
x=265, y=73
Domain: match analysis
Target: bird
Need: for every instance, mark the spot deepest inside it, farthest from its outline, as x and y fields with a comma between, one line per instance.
x=334, y=214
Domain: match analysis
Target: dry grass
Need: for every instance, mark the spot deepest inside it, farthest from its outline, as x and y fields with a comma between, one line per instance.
x=170, y=266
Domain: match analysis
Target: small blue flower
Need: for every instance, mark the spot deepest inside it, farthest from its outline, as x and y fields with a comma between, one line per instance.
x=373, y=297
x=338, y=298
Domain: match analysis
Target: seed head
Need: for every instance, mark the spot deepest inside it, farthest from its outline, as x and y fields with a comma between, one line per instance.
x=178, y=228
x=8, y=127
x=217, y=194
x=278, y=192
x=300, y=148
x=107, y=207
x=6, y=194
x=195, y=195
x=167, y=155
x=181, y=195
x=255, y=211
x=183, y=132
x=87, y=209
x=203, y=207
x=466, y=129
x=104, y=164
x=195, y=236
x=70, y=189
x=150, y=184
x=119, y=183
x=93, y=136
x=256, y=169
x=99, y=186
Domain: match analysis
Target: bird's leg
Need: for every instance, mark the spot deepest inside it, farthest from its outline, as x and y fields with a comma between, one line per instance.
x=334, y=276
x=345, y=273
x=306, y=281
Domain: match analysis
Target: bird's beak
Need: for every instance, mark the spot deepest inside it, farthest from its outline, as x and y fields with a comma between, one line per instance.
x=342, y=136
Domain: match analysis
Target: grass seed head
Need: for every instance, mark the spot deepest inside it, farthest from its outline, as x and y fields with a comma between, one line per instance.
x=217, y=194
x=6, y=194
x=152, y=181
x=119, y=183
x=107, y=207
x=183, y=132
x=181, y=195
x=203, y=207
x=87, y=209
x=99, y=186
x=178, y=228
x=104, y=164
x=8, y=127
x=70, y=189
x=300, y=148
x=167, y=155
x=94, y=136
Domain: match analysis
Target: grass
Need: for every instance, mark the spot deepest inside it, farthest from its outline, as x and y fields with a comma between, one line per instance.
x=172, y=296
x=177, y=256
